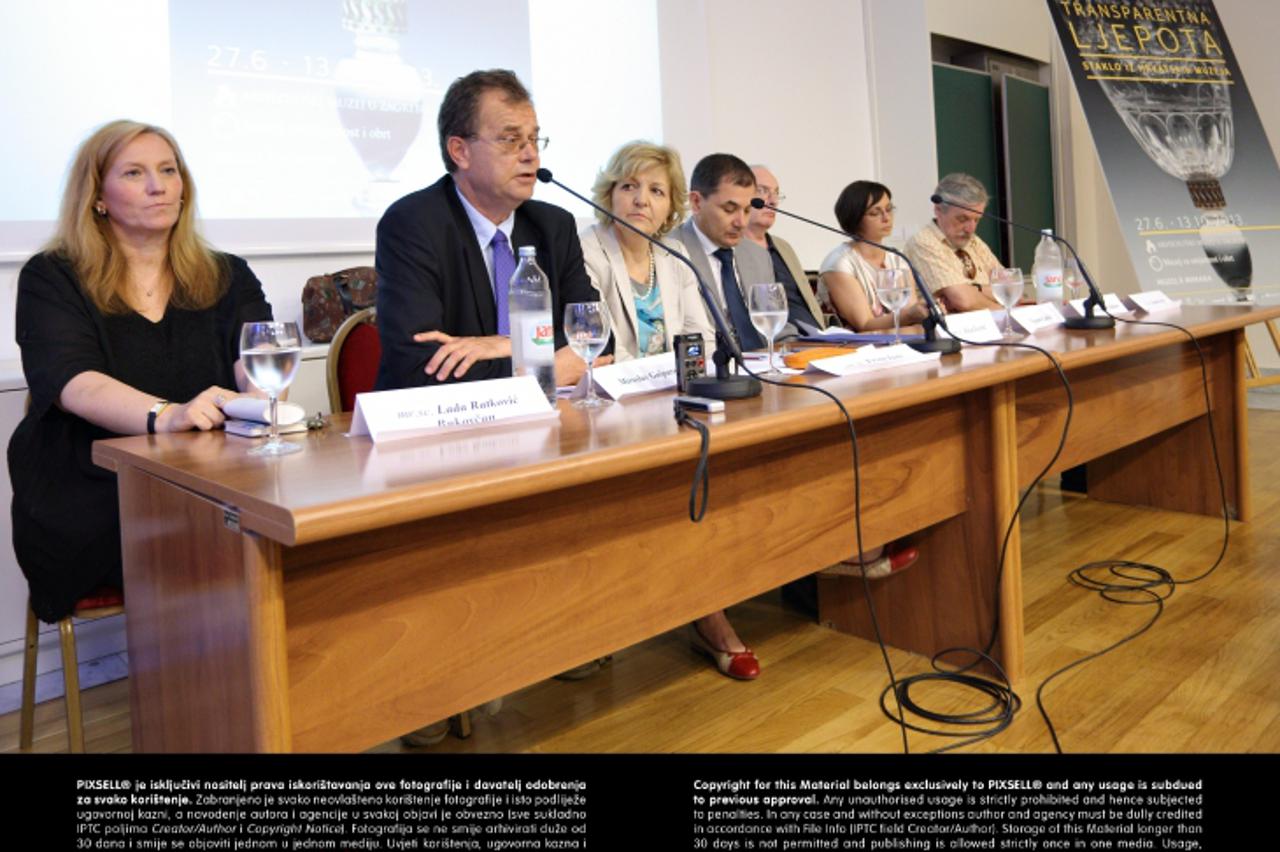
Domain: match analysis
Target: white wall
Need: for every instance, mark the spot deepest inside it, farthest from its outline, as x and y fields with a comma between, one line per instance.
x=782, y=85
x=1016, y=26
x=900, y=80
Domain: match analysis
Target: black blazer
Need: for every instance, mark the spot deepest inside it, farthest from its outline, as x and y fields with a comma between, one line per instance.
x=432, y=277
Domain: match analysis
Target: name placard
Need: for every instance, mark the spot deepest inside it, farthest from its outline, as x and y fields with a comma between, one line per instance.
x=638, y=375
x=1152, y=301
x=868, y=359
x=979, y=326
x=1111, y=300
x=1033, y=318
x=398, y=414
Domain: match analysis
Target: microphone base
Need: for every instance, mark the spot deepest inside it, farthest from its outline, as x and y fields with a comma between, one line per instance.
x=731, y=387
x=945, y=345
x=1089, y=322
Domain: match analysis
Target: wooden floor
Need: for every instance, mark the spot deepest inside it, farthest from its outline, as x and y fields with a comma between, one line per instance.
x=1203, y=679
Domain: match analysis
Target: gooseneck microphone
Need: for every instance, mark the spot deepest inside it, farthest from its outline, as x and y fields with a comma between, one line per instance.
x=723, y=385
x=931, y=342
x=1089, y=320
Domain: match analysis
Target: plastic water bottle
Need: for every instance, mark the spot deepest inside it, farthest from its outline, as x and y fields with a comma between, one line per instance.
x=1047, y=271
x=533, y=338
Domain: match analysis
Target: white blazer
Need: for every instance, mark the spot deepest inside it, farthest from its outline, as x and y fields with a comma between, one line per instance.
x=682, y=306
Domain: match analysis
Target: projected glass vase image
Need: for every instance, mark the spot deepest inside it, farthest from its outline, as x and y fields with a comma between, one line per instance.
x=1184, y=127
x=379, y=96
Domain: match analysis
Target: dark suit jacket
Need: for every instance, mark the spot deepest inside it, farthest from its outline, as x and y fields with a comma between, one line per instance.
x=432, y=276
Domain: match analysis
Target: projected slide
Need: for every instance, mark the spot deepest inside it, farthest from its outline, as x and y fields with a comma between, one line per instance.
x=335, y=101
x=303, y=119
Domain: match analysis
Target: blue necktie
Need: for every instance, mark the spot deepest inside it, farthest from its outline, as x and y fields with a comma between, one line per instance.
x=738, y=313
x=504, y=266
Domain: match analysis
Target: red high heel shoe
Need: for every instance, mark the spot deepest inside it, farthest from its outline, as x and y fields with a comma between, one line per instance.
x=739, y=665
x=896, y=556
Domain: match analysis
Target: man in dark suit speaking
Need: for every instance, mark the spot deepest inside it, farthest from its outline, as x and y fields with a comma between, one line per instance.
x=445, y=253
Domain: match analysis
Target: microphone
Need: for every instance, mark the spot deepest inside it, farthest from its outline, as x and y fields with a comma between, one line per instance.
x=1095, y=295
x=931, y=342
x=723, y=385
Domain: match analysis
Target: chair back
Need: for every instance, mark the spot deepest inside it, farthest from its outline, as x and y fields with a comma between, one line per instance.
x=352, y=365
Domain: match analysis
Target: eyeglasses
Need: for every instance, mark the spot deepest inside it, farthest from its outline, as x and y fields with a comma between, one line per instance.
x=882, y=212
x=513, y=142
x=771, y=195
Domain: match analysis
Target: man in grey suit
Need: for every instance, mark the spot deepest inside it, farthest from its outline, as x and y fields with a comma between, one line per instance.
x=720, y=191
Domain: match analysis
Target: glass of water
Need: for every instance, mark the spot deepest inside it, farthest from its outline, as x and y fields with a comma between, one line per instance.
x=586, y=325
x=1006, y=286
x=893, y=289
x=1073, y=286
x=270, y=353
x=767, y=305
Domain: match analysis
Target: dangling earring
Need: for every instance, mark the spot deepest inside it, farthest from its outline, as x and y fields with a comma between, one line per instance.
x=100, y=209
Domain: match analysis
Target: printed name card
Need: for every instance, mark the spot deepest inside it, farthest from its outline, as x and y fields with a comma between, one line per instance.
x=871, y=358
x=398, y=414
x=979, y=326
x=627, y=378
x=1152, y=301
x=1112, y=301
x=1033, y=318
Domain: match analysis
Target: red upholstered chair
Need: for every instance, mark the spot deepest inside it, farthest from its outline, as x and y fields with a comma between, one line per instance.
x=100, y=603
x=352, y=364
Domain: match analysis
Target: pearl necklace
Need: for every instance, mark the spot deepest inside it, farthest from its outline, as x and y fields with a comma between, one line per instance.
x=653, y=278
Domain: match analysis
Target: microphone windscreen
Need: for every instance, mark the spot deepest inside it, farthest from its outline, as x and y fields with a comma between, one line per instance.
x=935, y=198
x=757, y=203
x=544, y=175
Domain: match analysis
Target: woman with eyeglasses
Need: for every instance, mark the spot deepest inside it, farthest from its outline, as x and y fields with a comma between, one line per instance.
x=849, y=273
x=864, y=208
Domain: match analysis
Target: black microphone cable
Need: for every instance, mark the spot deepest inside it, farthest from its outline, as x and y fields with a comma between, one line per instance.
x=701, y=475
x=1133, y=583
x=1003, y=703
x=701, y=471
x=1122, y=581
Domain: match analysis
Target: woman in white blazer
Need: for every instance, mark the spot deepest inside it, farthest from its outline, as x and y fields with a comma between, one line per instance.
x=651, y=296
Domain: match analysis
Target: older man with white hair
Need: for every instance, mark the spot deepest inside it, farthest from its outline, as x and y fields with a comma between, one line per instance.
x=953, y=260
x=802, y=305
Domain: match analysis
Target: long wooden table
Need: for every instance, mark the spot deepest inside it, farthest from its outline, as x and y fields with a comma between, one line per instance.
x=335, y=598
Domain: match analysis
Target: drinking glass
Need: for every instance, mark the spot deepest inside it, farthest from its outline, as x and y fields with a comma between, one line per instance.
x=893, y=289
x=1006, y=286
x=767, y=305
x=586, y=325
x=270, y=353
x=1072, y=281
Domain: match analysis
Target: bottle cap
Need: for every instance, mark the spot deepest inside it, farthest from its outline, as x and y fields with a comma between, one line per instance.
x=1048, y=232
x=528, y=251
